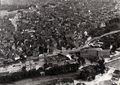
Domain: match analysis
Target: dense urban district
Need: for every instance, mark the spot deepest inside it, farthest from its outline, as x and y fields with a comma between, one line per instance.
x=60, y=42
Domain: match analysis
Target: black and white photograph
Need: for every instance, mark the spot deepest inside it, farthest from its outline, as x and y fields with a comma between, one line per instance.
x=59, y=42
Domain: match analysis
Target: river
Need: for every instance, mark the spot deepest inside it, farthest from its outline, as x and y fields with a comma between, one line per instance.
x=48, y=80
x=64, y=79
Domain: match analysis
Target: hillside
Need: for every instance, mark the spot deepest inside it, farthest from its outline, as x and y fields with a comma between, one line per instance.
x=21, y=2
x=56, y=24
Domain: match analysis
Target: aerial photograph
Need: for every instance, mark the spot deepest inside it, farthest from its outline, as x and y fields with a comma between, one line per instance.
x=59, y=42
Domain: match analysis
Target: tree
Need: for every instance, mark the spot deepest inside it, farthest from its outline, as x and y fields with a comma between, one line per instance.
x=109, y=35
x=57, y=24
x=6, y=38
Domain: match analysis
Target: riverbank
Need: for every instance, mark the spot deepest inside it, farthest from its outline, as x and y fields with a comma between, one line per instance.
x=43, y=80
